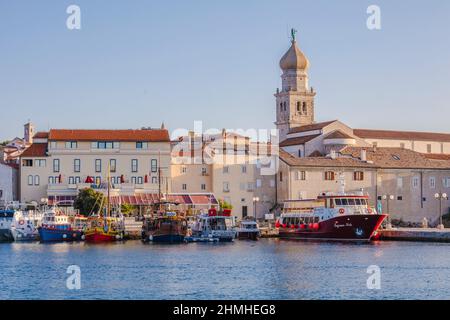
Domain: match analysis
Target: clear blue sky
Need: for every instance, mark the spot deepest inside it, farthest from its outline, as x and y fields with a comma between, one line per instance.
x=138, y=63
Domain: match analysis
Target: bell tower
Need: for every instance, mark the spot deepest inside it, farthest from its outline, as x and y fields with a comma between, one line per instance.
x=295, y=100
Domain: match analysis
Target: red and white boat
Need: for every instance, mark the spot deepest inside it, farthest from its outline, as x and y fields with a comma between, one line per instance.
x=332, y=216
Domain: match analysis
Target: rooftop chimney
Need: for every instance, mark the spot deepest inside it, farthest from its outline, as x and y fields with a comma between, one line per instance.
x=363, y=155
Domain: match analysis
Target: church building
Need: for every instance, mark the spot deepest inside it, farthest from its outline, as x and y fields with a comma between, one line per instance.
x=404, y=168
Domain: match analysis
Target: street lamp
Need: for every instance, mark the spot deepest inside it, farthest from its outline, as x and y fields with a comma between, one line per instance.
x=440, y=196
x=255, y=200
x=388, y=197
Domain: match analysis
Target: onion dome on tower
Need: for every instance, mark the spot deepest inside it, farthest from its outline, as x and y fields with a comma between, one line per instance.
x=294, y=59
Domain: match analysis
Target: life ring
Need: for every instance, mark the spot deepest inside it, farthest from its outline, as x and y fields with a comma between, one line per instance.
x=21, y=222
x=341, y=210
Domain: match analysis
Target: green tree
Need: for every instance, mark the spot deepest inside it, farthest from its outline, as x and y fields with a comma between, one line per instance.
x=126, y=208
x=225, y=205
x=88, y=201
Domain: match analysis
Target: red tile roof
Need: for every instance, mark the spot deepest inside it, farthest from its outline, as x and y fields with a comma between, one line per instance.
x=323, y=161
x=150, y=135
x=402, y=135
x=41, y=135
x=338, y=134
x=298, y=140
x=311, y=127
x=35, y=150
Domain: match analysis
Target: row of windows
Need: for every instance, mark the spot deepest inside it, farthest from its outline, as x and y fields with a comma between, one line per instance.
x=99, y=145
x=300, y=106
x=98, y=165
x=34, y=180
x=226, y=169
x=204, y=170
x=184, y=186
x=328, y=175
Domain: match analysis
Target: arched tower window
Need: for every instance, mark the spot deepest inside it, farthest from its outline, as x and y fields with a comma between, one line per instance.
x=299, y=106
x=284, y=104
x=305, y=110
x=281, y=106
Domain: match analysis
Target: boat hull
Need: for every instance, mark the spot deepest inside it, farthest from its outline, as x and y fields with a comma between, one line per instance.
x=342, y=228
x=55, y=235
x=22, y=236
x=6, y=235
x=166, y=238
x=98, y=237
x=244, y=235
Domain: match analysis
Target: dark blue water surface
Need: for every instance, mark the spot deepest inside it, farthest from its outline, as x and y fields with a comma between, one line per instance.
x=267, y=269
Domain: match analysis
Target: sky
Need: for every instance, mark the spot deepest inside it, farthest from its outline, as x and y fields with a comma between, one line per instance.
x=140, y=63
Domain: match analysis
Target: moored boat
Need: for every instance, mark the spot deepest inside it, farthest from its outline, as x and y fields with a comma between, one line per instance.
x=56, y=227
x=165, y=225
x=215, y=224
x=332, y=216
x=6, y=218
x=25, y=225
x=248, y=229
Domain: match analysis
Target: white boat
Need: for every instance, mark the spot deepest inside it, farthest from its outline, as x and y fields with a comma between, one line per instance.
x=219, y=225
x=25, y=225
x=6, y=217
x=248, y=229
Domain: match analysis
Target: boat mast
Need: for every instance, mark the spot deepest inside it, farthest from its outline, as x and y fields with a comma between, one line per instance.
x=159, y=180
x=109, y=192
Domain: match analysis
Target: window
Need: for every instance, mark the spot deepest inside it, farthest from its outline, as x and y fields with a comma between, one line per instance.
x=225, y=169
x=183, y=169
x=71, y=145
x=140, y=180
x=244, y=169
x=305, y=110
x=53, y=145
x=358, y=176
x=133, y=180
x=134, y=165
x=204, y=171
x=415, y=182
x=98, y=180
x=299, y=106
x=281, y=176
x=41, y=163
x=154, y=180
x=112, y=165
x=27, y=163
x=446, y=182
x=30, y=180
x=226, y=187
x=399, y=182
x=98, y=165
x=429, y=148
x=272, y=183
x=432, y=182
x=329, y=175
x=76, y=165
x=56, y=165
x=258, y=183
x=284, y=106
x=184, y=186
x=154, y=165
x=141, y=145
x=300, y=175
x=203, y=186
x=106, y=145
x=71, y=180
x=77, y=180
x=400, y=198
x=51, y=180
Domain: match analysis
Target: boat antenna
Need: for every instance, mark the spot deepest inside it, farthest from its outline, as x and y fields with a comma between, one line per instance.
x=159, y=179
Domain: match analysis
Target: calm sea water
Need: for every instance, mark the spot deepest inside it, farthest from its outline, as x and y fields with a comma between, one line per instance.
x=267, y=269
